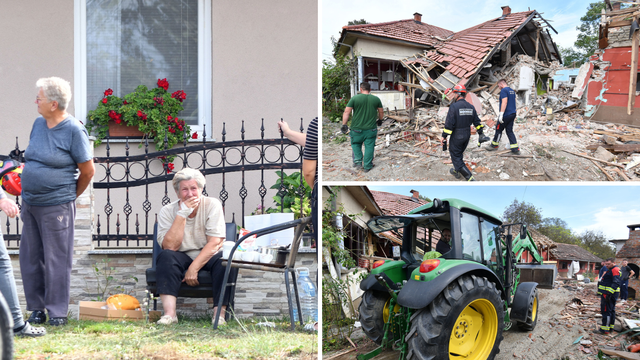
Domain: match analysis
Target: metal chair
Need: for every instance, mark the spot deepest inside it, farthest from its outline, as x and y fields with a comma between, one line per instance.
x=287, y=268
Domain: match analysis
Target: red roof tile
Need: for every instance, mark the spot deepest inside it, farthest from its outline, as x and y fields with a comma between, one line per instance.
x=466, y=49
x=395, y=204
x=405, y=30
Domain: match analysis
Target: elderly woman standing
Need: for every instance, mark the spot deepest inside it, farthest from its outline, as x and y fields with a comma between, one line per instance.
x=191, y=231
x=58, y=168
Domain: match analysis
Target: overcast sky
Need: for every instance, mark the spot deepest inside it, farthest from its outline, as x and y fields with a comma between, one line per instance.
x=454, y=15
x=607, y=208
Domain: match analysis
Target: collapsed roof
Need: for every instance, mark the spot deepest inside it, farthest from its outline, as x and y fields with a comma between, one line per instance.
x=470, y=56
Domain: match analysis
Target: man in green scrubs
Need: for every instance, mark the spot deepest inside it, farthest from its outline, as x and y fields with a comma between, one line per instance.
x=367, y=114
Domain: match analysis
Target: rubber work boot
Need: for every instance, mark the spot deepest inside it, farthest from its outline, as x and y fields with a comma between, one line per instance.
x=483, y=138
x=453, y=172
x=467, y=174
x=491, y=147
x=515, y=151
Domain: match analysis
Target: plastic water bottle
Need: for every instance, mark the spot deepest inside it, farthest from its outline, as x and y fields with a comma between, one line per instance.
x=308, y=297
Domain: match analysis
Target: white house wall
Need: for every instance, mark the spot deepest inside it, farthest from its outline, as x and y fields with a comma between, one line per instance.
x=377, y=49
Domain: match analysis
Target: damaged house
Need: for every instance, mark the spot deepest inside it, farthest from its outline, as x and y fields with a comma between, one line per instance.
x=379, y=49
x=609, y=82
x=479, y=56
x=437, y=58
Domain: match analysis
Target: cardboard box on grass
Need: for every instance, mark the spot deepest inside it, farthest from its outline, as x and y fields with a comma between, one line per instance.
x=92, y=310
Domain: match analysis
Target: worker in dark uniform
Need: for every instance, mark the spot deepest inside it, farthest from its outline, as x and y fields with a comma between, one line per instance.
x=608, y=287
x=506, y=118
x=459, y=119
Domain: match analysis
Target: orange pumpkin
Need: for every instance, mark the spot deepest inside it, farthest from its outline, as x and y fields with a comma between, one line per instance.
x=123, y=302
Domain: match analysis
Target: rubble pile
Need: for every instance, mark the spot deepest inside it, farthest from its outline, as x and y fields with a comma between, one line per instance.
x=583, y=311
x=556, y=138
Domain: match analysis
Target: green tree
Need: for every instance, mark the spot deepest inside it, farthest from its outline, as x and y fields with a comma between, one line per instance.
x=336, y=85
x=557, y=230
x=587, y=41
x=597, y=244
x=522, y=212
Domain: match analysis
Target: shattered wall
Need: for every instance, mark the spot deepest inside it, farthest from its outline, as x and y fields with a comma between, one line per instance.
x=619, y=37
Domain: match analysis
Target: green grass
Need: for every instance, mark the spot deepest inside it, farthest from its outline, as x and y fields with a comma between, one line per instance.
x=189, y=339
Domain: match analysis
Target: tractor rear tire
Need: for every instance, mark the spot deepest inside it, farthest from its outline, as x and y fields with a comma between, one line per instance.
x=371, y=311
x=464, y=321
x=532, y=314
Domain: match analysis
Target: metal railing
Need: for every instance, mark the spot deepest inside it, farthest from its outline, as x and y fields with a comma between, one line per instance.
x=233, y=161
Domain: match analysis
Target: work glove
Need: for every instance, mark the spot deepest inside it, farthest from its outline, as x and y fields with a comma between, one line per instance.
x=344, y=129
x=500, y=118
x=444, y=144
x=379, y=122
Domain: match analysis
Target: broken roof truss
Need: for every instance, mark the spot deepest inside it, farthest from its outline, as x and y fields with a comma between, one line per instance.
x=464, y=56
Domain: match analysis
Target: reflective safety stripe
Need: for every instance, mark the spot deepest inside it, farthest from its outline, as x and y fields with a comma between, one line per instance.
x=447, y=131
x=514, y=146
x=605, y=328
x=471, y=178
x=479, y=126
x=494, y=143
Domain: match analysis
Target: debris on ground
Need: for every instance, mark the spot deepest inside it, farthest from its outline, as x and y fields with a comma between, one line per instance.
x=556, y=139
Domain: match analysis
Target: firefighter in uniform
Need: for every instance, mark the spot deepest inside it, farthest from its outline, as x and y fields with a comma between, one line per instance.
x=608, y=287
x=459, y=119
x=506, y=118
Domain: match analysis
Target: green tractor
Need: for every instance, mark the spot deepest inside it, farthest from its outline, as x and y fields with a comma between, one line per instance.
x=453, y=305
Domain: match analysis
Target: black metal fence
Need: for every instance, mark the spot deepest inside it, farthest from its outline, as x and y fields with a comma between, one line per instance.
x=131, y=225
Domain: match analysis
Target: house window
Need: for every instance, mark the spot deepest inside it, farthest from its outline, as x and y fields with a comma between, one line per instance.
x=563, y=266
x=131, y=43
x=572, y=80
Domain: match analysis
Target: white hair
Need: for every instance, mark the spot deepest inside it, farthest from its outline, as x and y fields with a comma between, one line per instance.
x=188, y=174
x=56, y=89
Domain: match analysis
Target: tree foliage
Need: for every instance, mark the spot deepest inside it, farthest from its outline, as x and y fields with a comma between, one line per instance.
x=597, y=243
x=587, y=41
x=522, y=212
x=557, y=229
x=336, y=85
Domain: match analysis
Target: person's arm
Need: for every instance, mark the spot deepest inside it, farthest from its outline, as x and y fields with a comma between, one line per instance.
x=631, y=273
x=345, y=115
x=380, y=113
x=8, y=206
x=87, y=170
x=503, y=105
x=173, y=238
x=297, y=137
x=214, y=244
x=309, y=171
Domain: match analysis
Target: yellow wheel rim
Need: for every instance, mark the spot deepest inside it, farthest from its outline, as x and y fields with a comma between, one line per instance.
x=474, y=332
x=385, y=311
x=534, y=309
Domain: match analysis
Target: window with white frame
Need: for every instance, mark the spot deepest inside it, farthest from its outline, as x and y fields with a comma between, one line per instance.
x=137, y=42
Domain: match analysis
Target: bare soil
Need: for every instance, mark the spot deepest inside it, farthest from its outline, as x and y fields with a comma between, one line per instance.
x=406, y=159
x=561, y=325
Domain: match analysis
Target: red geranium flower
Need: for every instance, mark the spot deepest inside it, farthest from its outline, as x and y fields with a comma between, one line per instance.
x=142, y=115
x=112, y=114
x=170, y=167
x=195, y=135
x=124, y=102
x=163, y=83
x=172, y=130
x=169, y=118
x=104, y=101
x=180, y=95
x=118, y=120
x=108, y=92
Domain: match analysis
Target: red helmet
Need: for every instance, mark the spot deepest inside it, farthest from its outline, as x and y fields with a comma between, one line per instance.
x=11, y=181
x=459, y=88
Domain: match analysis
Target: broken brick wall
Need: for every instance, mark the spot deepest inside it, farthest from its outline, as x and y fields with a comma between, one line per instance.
x=632, y=247
x=619, y=37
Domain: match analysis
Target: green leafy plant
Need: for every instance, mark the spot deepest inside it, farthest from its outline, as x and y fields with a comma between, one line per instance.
x=290, y=202
x=153, y=111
